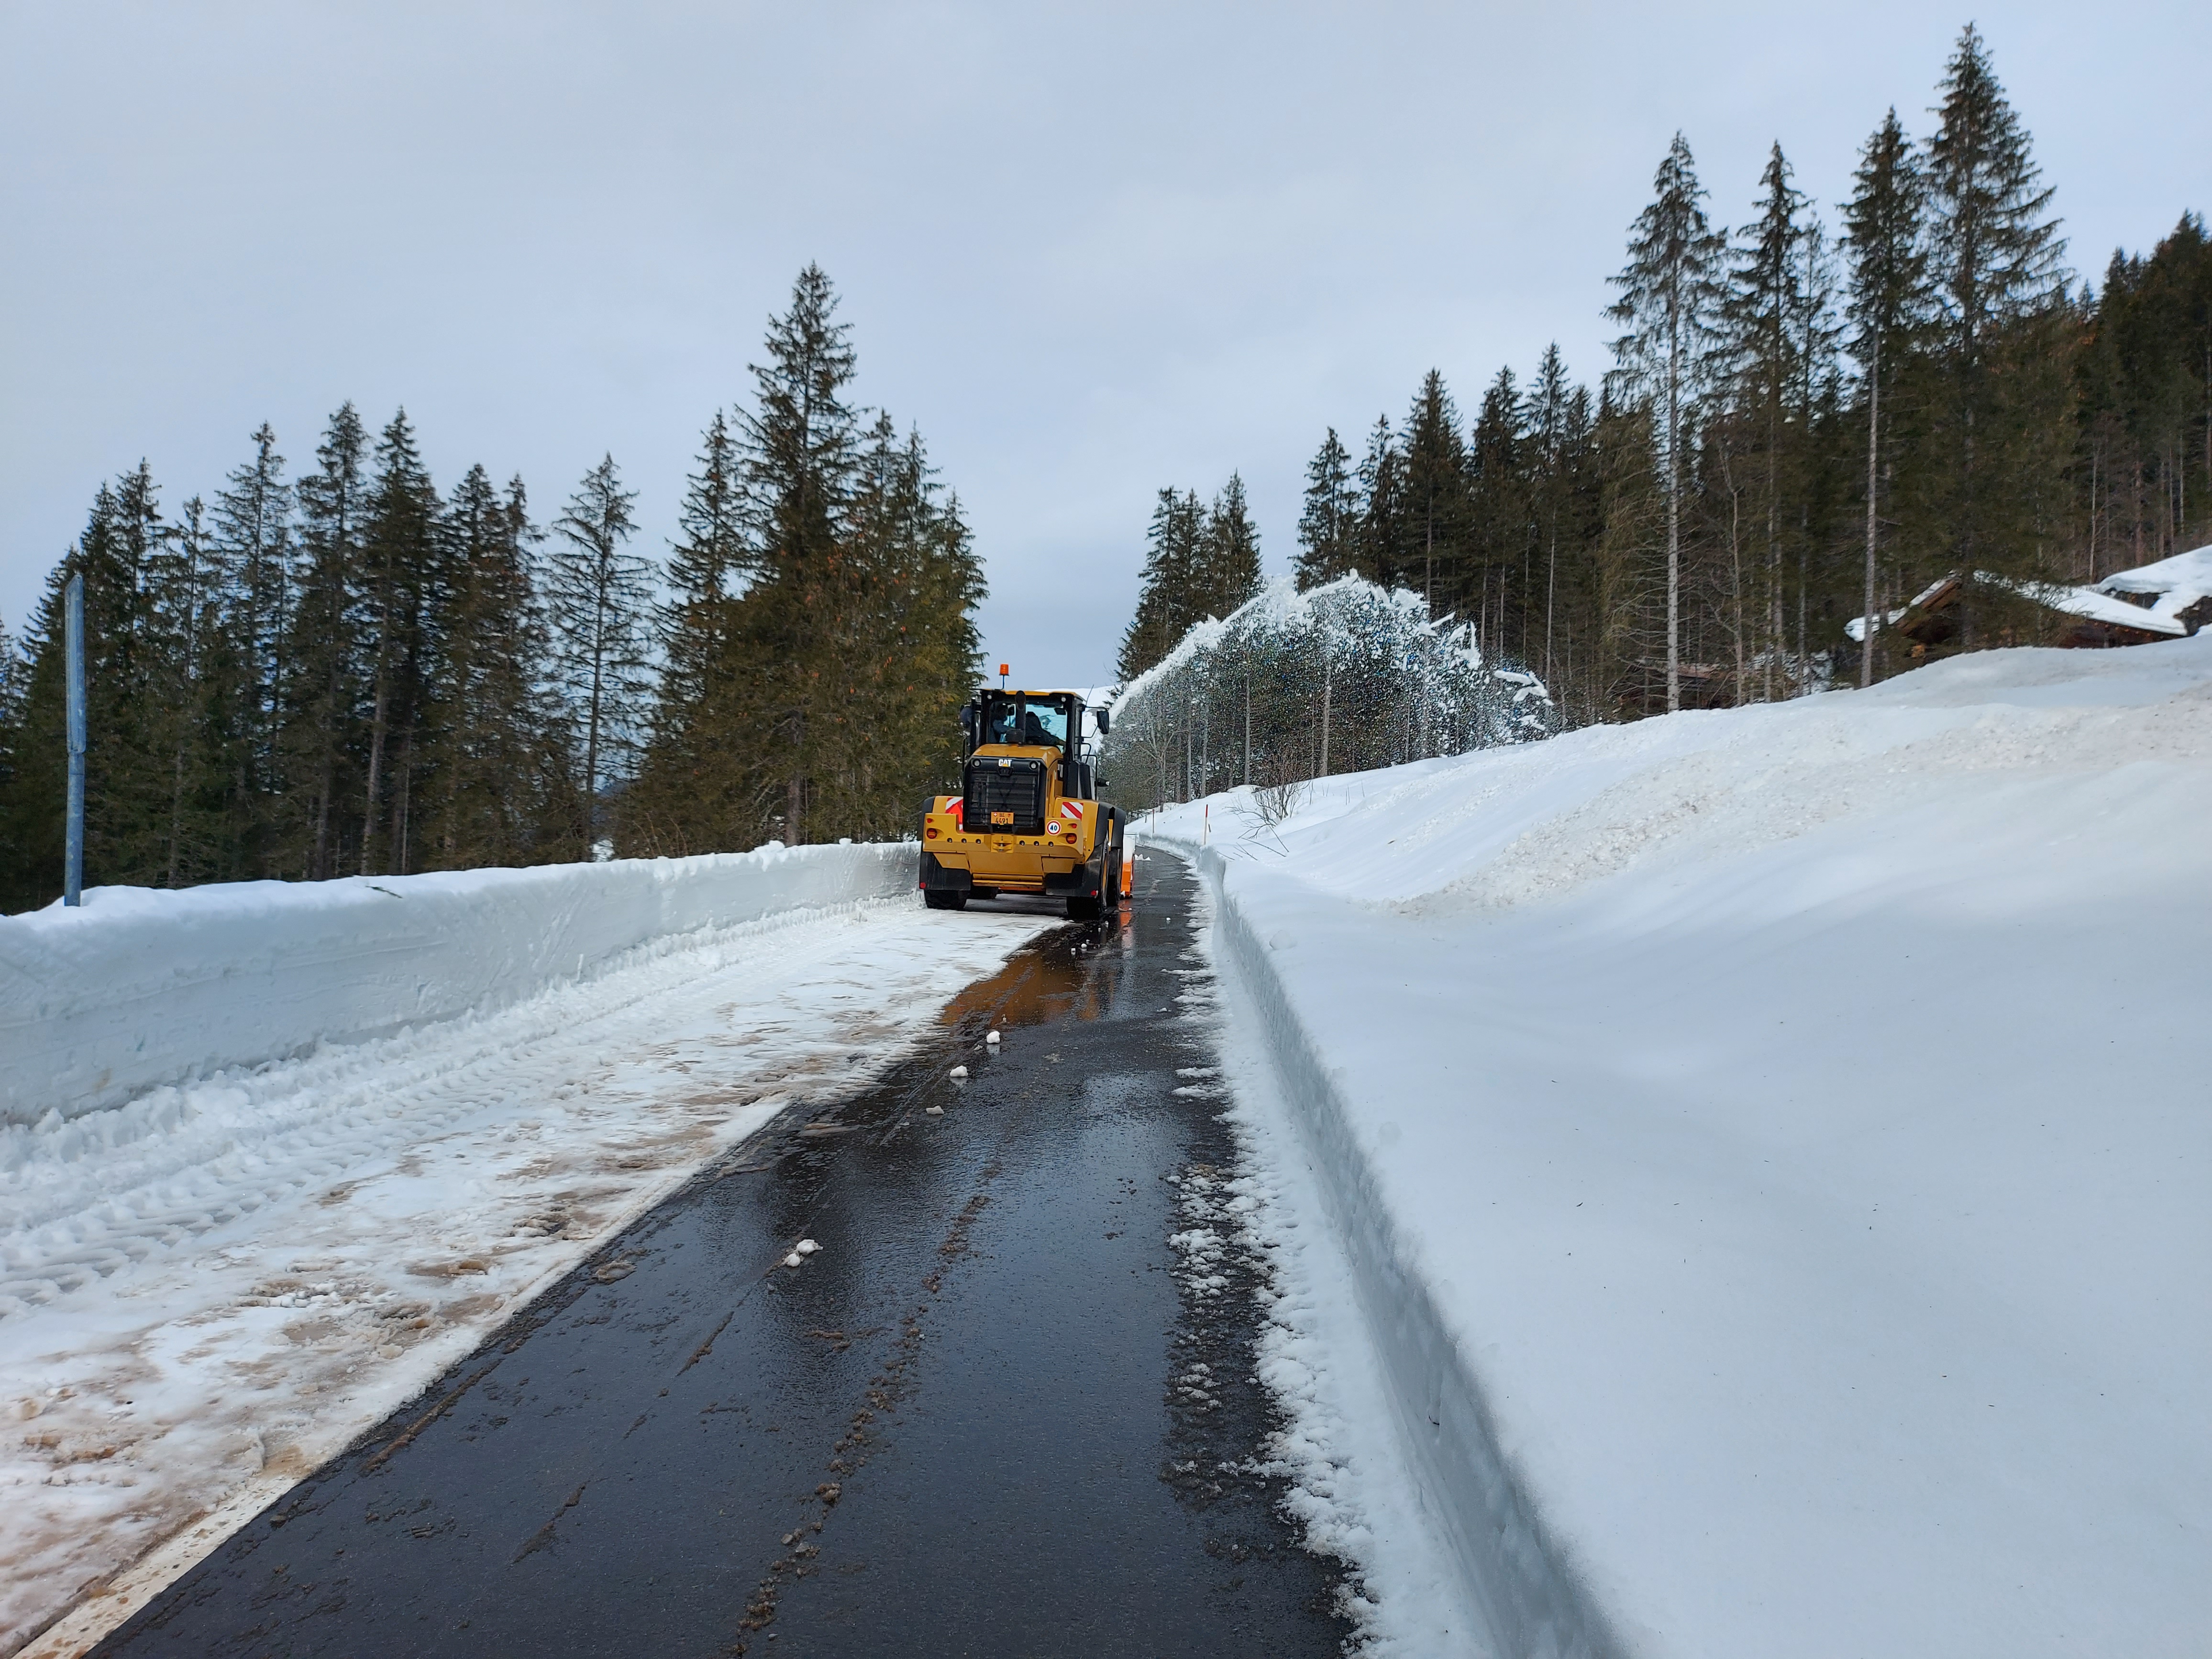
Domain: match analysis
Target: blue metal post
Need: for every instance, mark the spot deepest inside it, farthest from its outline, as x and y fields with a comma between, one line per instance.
x=73, y=852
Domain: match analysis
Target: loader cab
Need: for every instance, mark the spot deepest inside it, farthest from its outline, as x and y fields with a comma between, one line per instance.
x=1007, y=722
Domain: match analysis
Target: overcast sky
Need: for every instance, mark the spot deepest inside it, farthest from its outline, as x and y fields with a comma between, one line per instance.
x=1089, y=251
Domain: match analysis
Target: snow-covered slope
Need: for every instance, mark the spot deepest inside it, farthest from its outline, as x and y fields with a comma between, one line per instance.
x=1775, y=1147
x=207, y=1290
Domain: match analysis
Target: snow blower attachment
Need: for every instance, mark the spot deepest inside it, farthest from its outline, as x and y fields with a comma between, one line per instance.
x=1028, y=818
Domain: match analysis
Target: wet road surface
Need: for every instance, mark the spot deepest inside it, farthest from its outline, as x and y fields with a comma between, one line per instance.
x=989, y=1416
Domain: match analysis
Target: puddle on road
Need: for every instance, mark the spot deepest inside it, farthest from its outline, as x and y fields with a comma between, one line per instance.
x=1061, y=978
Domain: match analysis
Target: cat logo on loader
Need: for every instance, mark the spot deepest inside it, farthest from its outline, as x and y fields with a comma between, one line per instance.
x=1028, y=818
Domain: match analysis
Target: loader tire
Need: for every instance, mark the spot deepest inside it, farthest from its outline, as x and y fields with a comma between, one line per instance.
x=938, y=901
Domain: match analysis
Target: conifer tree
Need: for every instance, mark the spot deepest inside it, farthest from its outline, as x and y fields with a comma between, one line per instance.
x=1329, y=527
x=1890, y=307
x=1670, y=296
x=1998, y=273
x=123, y=774
x=253, y=538
x=322, y=717
x=1760, y=315
x=710, y=559
x=1167, y=592
x=2146, y=423
x=1229, y=569
x=598, y=600
x=1632, y=516
x=1434, y=502
x=180, y=644
x=901, y=652
x=820, y=699
x=15, y=674
x=1499, y=510
x=800, y=449
x=1381, y=477
x=126, y=798
x=496, y=781
x=1557, y=414
x=399, y=601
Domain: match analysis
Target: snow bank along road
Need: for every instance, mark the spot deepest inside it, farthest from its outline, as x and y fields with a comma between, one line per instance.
x=955, y=1366
x=210, y=1287
x=1776, y=1146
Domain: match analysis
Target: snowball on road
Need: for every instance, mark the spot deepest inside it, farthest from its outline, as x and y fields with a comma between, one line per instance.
x=1778, y=1142
x=213, y=1287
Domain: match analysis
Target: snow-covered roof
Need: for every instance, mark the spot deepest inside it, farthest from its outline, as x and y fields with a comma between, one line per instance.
x=2098, y=606
x=2180, y=581
x=2191, y=571
x=1856, y=626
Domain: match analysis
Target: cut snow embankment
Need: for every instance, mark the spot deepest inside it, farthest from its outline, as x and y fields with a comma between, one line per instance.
x=210, y=1287
x=1774, y=1147
x=138, y=986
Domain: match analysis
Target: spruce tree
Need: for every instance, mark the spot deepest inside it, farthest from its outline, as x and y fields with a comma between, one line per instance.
x=711, y=558
x=821, y=636
x=123, y=774
x=598, y=600
x=495, y=782
x=1998, y=275
x=1168, y=590
x=1381, y=477
x=127, y=794
x=2146, y=421
x=15, y=675
x=1555, y=423
x=182, y=730
x=1498, y=515
x=1229, y=558
x=322, y=717
x=1760, y=316
x=252, y=534
x=1434, y=502
x=901, y=651
x=399, y=605
x=1890, y=305
x=799, y=448
x=1329, y=527
x=1670, y=297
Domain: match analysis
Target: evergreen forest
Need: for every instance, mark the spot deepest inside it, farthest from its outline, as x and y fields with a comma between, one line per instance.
x=348, y=671
x=1803, y=423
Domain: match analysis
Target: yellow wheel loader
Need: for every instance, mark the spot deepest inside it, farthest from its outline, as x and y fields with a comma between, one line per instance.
x=1028, y=818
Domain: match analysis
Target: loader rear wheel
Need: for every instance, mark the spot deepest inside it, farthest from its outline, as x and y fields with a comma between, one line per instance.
x=941, y=901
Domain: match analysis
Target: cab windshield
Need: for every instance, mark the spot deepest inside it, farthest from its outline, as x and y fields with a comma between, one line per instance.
x=1030, y=722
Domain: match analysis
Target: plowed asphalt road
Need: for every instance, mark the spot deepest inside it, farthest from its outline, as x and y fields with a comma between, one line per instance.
x=987, y=1417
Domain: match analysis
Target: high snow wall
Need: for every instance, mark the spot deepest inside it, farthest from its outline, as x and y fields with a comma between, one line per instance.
x=138, y=987
x=1523, y=1580
x=1769, y=1145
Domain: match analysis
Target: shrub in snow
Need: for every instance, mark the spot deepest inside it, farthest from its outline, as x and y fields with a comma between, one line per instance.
x=1293, y=685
